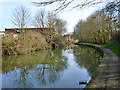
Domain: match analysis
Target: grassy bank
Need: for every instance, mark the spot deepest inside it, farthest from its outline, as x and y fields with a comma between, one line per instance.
x=112, y=47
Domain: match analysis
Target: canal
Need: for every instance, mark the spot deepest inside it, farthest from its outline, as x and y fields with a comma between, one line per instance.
x=60, y=68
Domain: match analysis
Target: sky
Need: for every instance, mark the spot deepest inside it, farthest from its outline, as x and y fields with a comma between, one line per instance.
x=71, y=17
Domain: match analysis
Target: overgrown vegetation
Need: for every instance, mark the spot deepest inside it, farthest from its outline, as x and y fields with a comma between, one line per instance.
x=30, y=41
x=101, y=27
x=23, y=43
x=60, y=41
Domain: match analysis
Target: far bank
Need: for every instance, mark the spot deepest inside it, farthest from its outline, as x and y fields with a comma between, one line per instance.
x=19, y=42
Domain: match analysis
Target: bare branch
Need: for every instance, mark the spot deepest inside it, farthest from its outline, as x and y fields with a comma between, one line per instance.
x=45, y=2
x=21, y=17
x=40, y=20
x=64, y=6
x=65, y=3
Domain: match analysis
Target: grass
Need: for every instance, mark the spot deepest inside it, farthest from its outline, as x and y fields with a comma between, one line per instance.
x=112, y=47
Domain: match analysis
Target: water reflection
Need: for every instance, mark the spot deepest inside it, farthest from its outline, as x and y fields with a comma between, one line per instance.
x=56, y=69
x=24, y=79
x=89, y=58
x=32, y=66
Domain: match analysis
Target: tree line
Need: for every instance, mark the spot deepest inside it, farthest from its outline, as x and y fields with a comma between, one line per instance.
x=101, y=27
x=22, y=18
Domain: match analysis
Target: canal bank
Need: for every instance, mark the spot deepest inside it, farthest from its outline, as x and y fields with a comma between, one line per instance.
x=108, y=76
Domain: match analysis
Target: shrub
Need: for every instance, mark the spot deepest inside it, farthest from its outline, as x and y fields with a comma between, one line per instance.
x=60, y=41
x=23, y=43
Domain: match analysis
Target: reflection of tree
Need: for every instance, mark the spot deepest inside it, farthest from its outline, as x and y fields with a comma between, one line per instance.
x=32, y=68
x=56, y=64
x=88, y=57
x=24, y=80
x=20, y=61
x=45, y=76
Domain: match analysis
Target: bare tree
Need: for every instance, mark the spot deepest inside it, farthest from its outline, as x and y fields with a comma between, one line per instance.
x=21, y=17
x=75, y=3
x=40, y=20
x=56, y=23
x=51, y=19
x=60, y=26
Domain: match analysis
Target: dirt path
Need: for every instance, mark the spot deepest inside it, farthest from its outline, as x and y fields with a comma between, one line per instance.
x=109, y=75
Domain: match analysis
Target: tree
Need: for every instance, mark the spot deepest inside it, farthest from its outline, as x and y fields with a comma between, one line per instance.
x=48, y=19
x=40, y=20
x=21, y=17
x=60, y=26
x=98, y=28
x=62, y=4
x=51, y=19
x=112, y=9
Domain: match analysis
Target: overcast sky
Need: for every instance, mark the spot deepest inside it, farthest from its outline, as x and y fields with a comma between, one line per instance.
x=72, y=17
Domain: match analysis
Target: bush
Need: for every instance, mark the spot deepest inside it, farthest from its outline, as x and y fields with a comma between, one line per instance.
x=60, y=41
x=23, y=43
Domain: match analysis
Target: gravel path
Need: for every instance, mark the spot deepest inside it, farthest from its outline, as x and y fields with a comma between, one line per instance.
x=109, y=75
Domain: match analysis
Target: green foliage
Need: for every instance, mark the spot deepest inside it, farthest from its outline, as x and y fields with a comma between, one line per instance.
x=96, y=29
x=113, y=48
x=89, y=58
x=101, y=27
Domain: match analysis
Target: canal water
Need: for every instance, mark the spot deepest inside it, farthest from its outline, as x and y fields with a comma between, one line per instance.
x=62, y=68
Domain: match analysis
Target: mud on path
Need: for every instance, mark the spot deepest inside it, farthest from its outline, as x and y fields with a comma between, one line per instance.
x=109, y=75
